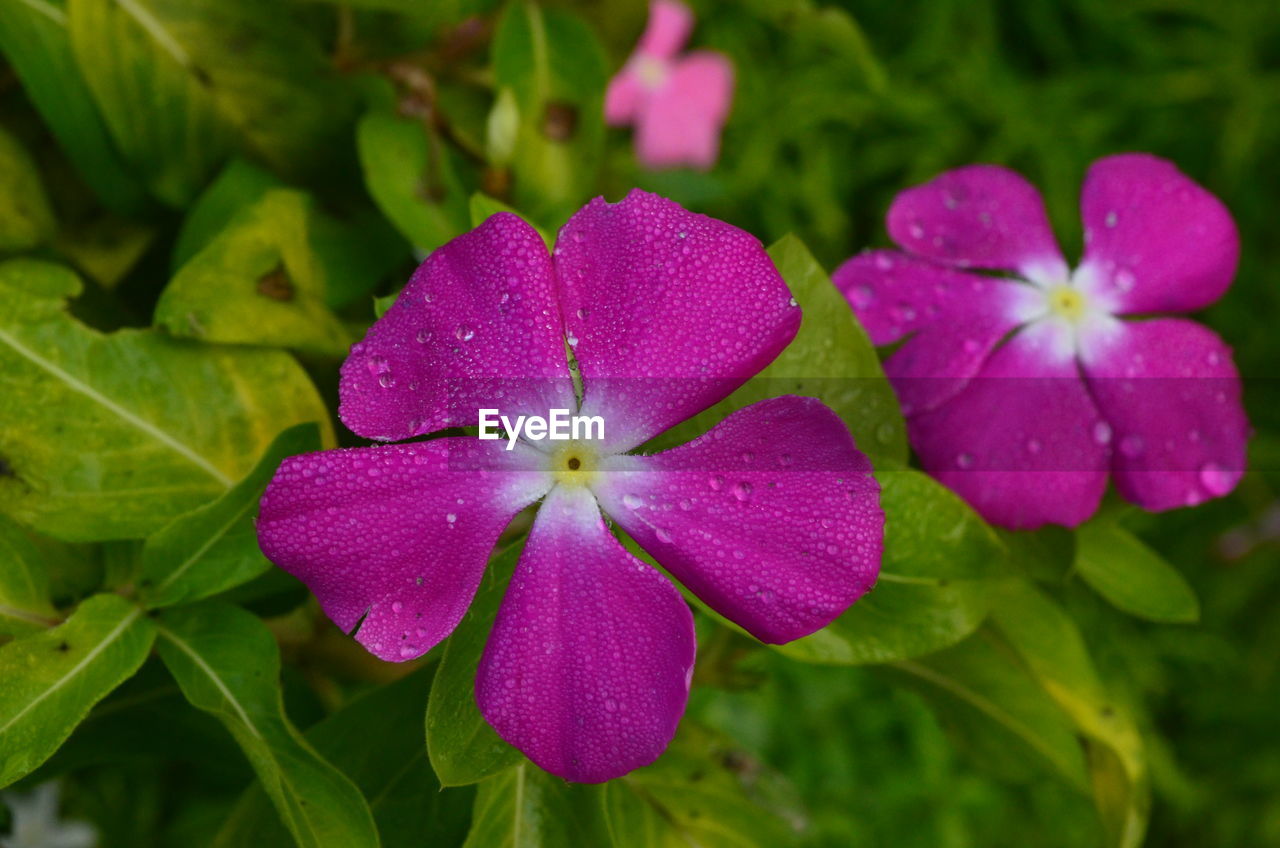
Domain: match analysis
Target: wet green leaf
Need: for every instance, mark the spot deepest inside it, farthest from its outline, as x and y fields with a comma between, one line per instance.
x=226, y=662
x=941, y=563
x=215, y=547
x=112, y=436
x=463, y=747
x=52, y=679
x=258, y=282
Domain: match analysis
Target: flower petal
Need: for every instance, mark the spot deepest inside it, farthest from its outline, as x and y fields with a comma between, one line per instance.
x=396, y=534
x=1171, y=394
x=680, y=124
x=772, y=518
x=669, y=25
x=951, y=320
x=1156, y=240
x=477, y=326
x=623, y=97
x=980, y=216
x=587, y=668
x=1023, y=443
x=667, y=312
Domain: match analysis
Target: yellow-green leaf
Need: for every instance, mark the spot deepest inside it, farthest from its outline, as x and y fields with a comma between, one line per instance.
x=51, y=679
x=257, y=283
x=111, y=436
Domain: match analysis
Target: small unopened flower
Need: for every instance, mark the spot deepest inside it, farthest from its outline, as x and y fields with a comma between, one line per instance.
x=1024, y=392
x=678, y=103
x=771, y=518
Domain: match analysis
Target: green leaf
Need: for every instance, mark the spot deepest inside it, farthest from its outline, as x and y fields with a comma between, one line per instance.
x=939, y=568
x=26, y=221
x=258, y=282
x=215, y=547
x=226, y=662
x=182, y=83
x=52, y=679
x=690, y=797
x=414, y=177
x=113, y=436
x=997, y=710
x=552, y=64
x=1050, y=644
x=33, y=37
x=463, y=747
x=1131, y=576
x=524, y=807
x=831, y=359
x=377, y=741
x=24, y=583
x=355, y=253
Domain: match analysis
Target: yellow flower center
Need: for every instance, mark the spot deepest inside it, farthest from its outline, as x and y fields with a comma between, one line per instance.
x=575, y=463
x=1067, y=302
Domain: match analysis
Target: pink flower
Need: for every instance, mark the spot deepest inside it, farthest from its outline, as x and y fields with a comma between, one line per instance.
x=678, y=103
x=1024, y=392
x=771, y=518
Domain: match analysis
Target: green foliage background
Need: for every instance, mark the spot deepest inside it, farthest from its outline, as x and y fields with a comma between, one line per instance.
x=203, y=203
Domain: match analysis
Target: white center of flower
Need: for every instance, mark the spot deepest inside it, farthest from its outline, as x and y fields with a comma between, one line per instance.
x=651, y=71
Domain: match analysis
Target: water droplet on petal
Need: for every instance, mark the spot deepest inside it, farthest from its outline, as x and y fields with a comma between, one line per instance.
x=1102, y=432
x=964, y=460
x=742, y=490
x=632, y=501
x=1216, y=479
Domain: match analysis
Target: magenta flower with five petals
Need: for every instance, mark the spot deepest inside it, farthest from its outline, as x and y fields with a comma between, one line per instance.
x=771, y=518
x=1023, y=393
x=678, y=104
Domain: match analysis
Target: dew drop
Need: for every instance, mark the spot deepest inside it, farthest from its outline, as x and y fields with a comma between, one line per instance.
x=464, y=333
x=964, y=460
x=1102, y=432
x=386, y=380
x=632, y=501
x=742, y=490
x=1216, y=479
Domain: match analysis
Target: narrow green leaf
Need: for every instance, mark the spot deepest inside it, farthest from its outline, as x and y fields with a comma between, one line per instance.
x=33, y=37
x=227, y=663
x=414, y=177
x=940, y=564
x=997, y=710
x=463, y=748
x=24, y=583
x=215, y=547
x=831, y=359
x=52, y=679
x=26, y=221
x=524, y=807
x=377, y=741
x=257, y=283
x=113, y=436
x=554, y=67
x=1131, y=576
